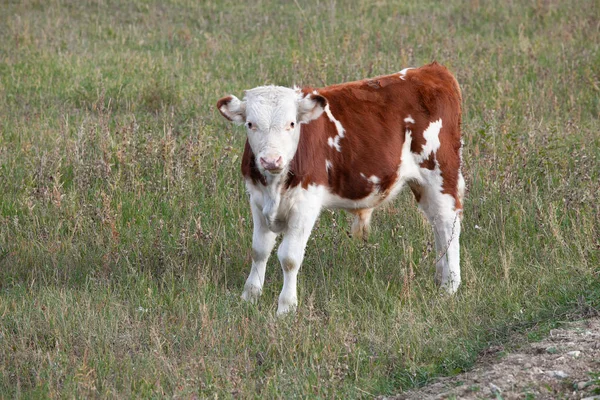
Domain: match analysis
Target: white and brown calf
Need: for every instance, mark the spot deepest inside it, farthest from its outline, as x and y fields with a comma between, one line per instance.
x=351, y=146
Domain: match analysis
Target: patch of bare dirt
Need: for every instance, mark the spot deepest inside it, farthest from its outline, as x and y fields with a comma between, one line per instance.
x=565, y=365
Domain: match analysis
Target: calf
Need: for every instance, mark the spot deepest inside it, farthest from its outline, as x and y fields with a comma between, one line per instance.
x=351, y=146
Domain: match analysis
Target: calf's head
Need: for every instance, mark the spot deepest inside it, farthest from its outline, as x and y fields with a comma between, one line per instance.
x=272, y=116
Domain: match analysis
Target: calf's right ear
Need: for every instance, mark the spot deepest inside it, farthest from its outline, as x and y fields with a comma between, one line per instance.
x=233, y=109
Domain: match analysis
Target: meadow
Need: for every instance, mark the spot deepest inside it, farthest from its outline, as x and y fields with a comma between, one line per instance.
x=125, y=228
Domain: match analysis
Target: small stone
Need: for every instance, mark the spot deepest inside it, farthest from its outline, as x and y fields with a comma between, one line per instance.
x=557, y=374
x=574, y=354
x=582, y=385
x=495, y=389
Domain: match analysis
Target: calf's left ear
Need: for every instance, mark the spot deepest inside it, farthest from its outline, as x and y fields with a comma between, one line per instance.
x=233, y=109
x=311, y=107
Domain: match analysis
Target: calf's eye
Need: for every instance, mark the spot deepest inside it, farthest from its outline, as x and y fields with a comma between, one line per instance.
x=249, y=125
x=292, y=125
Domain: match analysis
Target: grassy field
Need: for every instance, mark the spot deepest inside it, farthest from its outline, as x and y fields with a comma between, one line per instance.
x=125, y=228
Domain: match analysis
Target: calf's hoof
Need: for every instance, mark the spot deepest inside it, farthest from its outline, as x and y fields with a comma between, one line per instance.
x=286, y=306
x=251, y=294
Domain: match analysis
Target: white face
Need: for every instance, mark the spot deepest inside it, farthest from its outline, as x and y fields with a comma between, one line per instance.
x=272, y=116
x=273, y=132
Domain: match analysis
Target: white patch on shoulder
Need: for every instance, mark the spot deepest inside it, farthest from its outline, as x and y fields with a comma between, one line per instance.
x=341, y=132
x=338, y=125
x=403, y=73
x=409, y=120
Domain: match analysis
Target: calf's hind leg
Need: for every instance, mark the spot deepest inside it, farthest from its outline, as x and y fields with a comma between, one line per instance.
x=444, y=213
x=361, y=227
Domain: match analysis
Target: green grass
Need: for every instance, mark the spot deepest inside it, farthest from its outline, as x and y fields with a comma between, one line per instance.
x=124, y=224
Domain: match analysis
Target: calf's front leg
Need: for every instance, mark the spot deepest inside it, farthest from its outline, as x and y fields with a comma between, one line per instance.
x=263, y=241
x=291, y=253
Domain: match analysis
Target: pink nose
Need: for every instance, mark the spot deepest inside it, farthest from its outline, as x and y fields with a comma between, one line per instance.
x=271, y=164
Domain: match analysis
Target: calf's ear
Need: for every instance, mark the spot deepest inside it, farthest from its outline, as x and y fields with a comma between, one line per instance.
x=311, y=107
x=233, y=109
